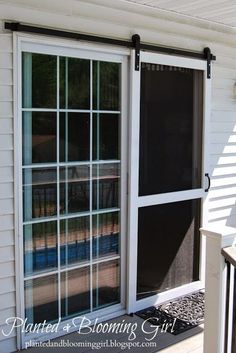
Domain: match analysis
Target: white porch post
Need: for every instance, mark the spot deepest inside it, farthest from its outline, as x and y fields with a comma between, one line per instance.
x=215, y=286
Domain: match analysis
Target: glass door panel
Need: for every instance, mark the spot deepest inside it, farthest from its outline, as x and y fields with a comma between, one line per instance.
x=74, y=83
x=71, y=170
x=41, y=139
x=41, y=299
x=106, y=284
x=74, y=137
x=40, y=247
x=40, y=75
x=75, y=298
x=74, y=240
x=39, y=193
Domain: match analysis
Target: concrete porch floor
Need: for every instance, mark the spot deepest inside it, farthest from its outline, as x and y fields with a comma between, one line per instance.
x=190, y=341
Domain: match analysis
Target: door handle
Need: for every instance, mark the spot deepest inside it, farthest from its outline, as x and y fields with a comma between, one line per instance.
x=209, y=182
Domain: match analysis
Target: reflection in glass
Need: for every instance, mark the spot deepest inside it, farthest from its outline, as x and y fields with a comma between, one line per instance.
x=106, y=228
x=75, y=240
x=106, y=85
x=81, y=180
x=39, y=137
x=106, y=283
x=106, y=185
x=74, y=83
x=106, y=136
x=75, y=291
x=41, y=299
x=39, y=193
x=74, y=137
x=168, y=246
x=74, y=189
x=39, y=80
x=40, y=247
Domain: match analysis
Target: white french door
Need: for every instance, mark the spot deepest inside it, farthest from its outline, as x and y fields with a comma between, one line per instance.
x=168, y=162
x=72, y=116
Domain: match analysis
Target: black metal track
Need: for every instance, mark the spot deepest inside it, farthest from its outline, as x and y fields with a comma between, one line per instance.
x=13, y=26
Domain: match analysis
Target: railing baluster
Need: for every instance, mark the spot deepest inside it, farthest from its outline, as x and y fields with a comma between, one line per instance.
x=230, y=313
x=234, y=316
x=227, y=308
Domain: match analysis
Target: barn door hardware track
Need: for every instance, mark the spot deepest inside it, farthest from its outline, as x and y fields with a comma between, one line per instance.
x=135, y=43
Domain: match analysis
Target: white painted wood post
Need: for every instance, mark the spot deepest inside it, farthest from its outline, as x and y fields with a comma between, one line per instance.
x=215, y=286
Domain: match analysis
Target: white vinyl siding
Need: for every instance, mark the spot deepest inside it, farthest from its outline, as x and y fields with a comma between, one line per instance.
x=7, y=249
x=222, y=149
x=113, y=21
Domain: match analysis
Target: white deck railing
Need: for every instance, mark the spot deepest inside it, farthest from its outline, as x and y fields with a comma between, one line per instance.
x=219, y=291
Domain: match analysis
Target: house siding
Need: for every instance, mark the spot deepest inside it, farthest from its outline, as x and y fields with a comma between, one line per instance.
x=117, y=22
x=222, y=196
x=7, y=249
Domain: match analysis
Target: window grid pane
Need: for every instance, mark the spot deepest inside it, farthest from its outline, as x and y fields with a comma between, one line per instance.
x=71, y=151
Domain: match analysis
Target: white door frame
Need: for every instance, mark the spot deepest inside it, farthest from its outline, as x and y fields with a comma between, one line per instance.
x=69, y=48
x=136, y=201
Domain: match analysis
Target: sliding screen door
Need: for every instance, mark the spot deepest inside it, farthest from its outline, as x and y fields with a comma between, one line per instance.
x=167, y=172
x=71, y=176
x=170, y=160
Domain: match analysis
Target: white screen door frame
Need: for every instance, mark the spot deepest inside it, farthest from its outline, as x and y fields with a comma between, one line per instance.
x=136, y=201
